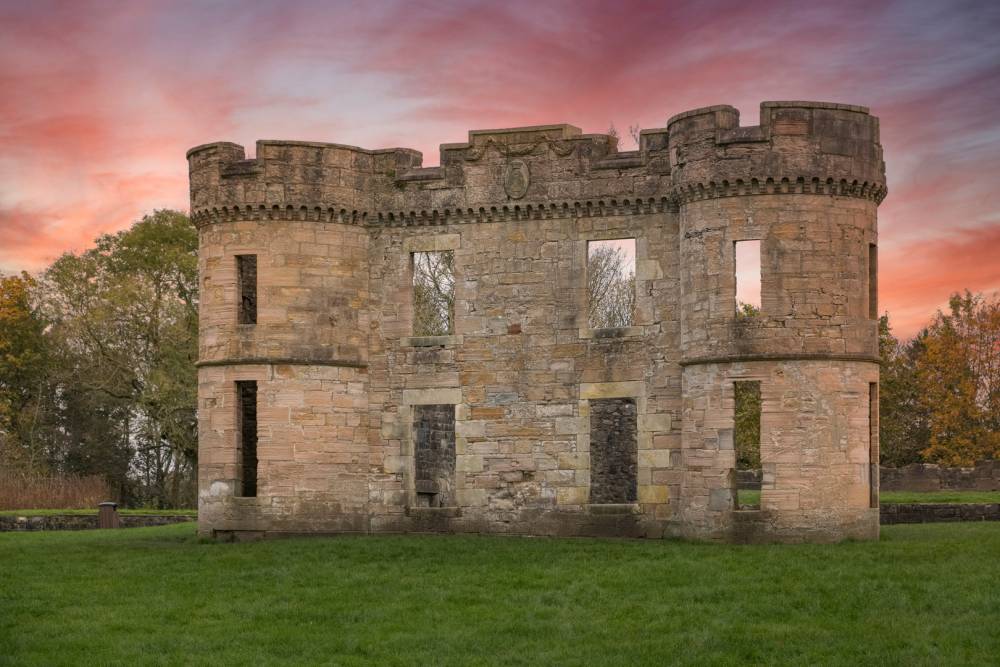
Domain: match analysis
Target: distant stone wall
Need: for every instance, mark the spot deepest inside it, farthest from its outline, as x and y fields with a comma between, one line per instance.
x=434, y=440
x=613, y=450
x=84, y=521
x=985, y=476
x=933, y=513
x=749, y=479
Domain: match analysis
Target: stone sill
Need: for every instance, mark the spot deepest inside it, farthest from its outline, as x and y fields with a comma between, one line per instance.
x=430, y=341
x=449, y=512
x=614, y=508
x=612, y=333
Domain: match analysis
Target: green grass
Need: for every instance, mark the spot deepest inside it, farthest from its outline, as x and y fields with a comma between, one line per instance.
x=940, y=496
x=77, y=512
x=748, y=497
x=924, y=595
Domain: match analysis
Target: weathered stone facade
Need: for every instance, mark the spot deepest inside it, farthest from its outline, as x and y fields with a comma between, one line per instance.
x=341, y=380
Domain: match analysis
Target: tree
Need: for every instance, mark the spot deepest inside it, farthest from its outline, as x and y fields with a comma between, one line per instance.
x=433, y=293
x=746, y=432
x=24, y=382
x=959, y=376
x=610, y=287
x=633, y=132
x=123, y=322
x=904, y=430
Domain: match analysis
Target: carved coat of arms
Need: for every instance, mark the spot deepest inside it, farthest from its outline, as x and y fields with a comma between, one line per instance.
x=516, y=178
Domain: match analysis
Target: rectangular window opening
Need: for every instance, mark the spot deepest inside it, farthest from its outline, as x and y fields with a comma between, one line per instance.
x=434, y=454
x=246, y=276
x=747, y=273
x=434, y=293
x=873, y=450
x=611, y=283
x=613, y=451
x=872, y=281
x=746, y=440
x=246, y=396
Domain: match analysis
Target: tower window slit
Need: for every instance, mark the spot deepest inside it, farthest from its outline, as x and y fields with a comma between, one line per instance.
x=747, y=274
x=746, y=441
x=246, y=275
x=246, y=398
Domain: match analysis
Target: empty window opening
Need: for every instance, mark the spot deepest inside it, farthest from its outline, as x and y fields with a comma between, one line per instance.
x=747, y=271
x=746, y=440
x=613, y=451
x=246, y=398
x=434, y=445
x=873, y=453
x=246, y=276
x=434, y=293
x=872, y=281
x=611, y=283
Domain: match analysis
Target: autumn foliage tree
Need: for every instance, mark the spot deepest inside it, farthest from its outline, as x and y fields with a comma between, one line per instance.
x=939, y=394
x=24, y=381
x=959, y=376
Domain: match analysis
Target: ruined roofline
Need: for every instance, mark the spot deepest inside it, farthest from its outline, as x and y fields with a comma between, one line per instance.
x=791, y=104
x=565, y=130
x=292, y=142
x=797, y=148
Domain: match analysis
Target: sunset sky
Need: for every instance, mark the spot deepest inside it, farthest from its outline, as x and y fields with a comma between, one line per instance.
x=101, y=100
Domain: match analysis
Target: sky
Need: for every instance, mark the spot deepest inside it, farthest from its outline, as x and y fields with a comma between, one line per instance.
x=102, y=99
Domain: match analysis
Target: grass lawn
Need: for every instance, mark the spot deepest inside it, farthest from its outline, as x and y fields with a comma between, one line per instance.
x=748, y=497
x=940, y=496
x=126, y=512
x=926, y=594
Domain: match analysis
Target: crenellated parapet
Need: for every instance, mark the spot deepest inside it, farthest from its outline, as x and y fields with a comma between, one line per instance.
x=798, y=147
x=296, y=180
x=546, y=170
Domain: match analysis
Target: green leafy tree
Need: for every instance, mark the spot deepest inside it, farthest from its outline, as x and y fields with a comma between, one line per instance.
x=904, y=422
x=123, y=320
x=746, y=435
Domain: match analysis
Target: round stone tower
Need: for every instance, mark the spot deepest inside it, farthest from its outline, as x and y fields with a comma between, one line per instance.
x=283, y=349
x=805, y=183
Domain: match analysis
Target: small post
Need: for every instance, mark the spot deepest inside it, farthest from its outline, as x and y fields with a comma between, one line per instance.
x=107, y=515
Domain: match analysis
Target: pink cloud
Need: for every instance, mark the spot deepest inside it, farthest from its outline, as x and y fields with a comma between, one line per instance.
x=101, y=101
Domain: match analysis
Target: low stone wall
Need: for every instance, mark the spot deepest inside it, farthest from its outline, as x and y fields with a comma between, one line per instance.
x=85, y=521
x=749, y=479
x=931, y=513
x=984, y=476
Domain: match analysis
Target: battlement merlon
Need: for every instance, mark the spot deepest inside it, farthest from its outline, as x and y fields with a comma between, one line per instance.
x=812, y=147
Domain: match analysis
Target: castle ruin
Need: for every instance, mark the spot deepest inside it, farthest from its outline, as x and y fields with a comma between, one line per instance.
x=323, y=410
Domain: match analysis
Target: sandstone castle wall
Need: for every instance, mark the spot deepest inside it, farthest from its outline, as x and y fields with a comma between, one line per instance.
x=341, y=376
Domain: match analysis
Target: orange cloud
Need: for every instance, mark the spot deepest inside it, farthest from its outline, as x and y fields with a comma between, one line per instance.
x=917, y=278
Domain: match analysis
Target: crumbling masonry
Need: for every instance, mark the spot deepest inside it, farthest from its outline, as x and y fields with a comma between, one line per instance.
x=320, y=411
